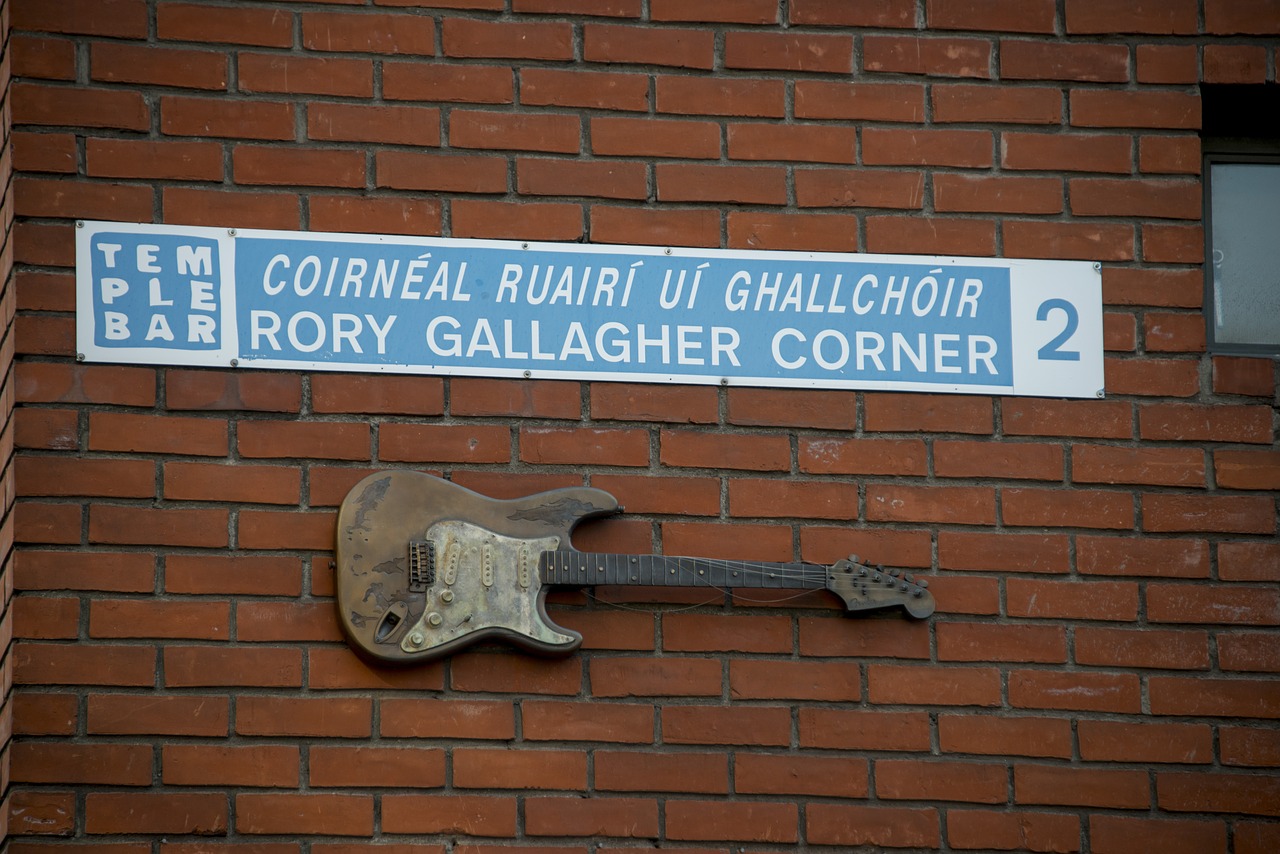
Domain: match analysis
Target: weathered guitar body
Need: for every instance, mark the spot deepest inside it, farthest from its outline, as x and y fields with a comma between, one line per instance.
x=426, y=567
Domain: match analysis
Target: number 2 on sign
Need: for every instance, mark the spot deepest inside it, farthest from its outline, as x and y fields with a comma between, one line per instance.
x=1053, y=350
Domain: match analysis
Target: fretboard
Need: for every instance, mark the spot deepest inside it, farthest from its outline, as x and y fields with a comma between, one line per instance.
x=584, y=569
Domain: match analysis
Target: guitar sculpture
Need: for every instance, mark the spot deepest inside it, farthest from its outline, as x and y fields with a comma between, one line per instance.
x=426, y=567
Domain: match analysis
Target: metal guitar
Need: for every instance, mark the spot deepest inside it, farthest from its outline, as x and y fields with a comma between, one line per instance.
x=426, y=567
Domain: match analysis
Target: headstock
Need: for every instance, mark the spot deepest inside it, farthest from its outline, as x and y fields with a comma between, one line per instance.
x=864, y=588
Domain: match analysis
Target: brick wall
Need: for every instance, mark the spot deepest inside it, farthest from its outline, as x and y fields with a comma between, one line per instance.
x=1100, y=674
x=6, y=431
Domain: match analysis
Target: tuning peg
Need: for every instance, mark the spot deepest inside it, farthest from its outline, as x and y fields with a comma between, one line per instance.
x=922, y=583
x=908, y=576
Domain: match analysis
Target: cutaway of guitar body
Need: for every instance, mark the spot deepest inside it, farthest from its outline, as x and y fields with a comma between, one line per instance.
x=426, y=567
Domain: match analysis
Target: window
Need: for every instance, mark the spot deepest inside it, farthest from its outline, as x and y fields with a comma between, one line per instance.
x=1241, y=146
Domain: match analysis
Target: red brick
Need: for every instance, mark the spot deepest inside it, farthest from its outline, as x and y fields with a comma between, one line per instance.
x=1169, y=154
x=849, y=729
x=189, y=69
x=94, y=477
x=155, y=812
x=1244, y=376
x=1226, y=513
x=284, y=529
x=239, y=483
x=663, y=227
x=992, y=735
x=902, y=548
x=467, y=84
x=627, y=771
x=1120, y=647
x=790, y=775
x=722, y=450
x=304, y=813
x=171, y=526
x=1094, y=600
x=120, y=18
x=783, y=51
x=973, y=505
x=1036, y=60
x=187, y=116
x=190, y=206
x=1069, y=240
x=1013, y=16
x=1008, y=552
x=146, y=714
x=945, y=57
x=1249, y=746
x=305, y=75
x=271, y=622
x=454, y=719
x=121, y=158
x=1173, y=244
x=201, y=23
x=1075, y=786
x=1248, y=651
x=731, y=12
x=52, y=762
x=1013, y=831
x=1226, y=17
x=399, y=767
x=792, y=680
x=1075, y=508
x=1194, y=603
x=131, y=618
x=47, y=58
x=45, y=152
x=314, y=167
x=935, y=236
x=512, y=674
x=47, y=523
x=502, y=220
x=933, y=685
x=1169, y=288
x=731, y=820
x=833, y=13
x=1159, y=63
x=41, y=813
x=999, y=460
x=1119, y=741
x=1175, y=17
x=604, y=91
x=413, y=170
x=46, y=617
x=612, y=446
x=986, y=104
x=1142, y=556
x=912, y=779
x=1247, y=469
x=609, y=179
x=337, y=441
x=369, y=33
x=1134, y=109
x=877, y=826
x=620, y=44
x=1162, y=466
x=444, y=443
x=1130, y=197
x=1181, y=791
x=638, y=677
x=609, y=8
x=762, y=498
x=613, y=817
x=618, y=135
x=504, y=768
x=977, y=642
x=730, y=542
x=884, y=102
x=375, y=215
x=62, y=664
x=1117, y=833
x=859, y=188
x=199, y=666
x=45, y=714
x=1202, y=696
x=216, y=390
x=1066, y=152
x=1245, y=561
x=892, y=147
x=1194, y=422
x=477, y=815
x=688, y=182
x=571, y=721
x=794, y=143
x=507, y=39
x=218, y=765
x=745, y=725
x=720, y=96
x=253, y=575
x=41, y=197
x=1075, y=691
x=863, y=456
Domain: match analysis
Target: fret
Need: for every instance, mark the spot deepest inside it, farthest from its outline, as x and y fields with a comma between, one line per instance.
x=587, y=569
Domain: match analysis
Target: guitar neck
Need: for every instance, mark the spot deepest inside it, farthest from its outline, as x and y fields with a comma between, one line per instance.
x=584, y=569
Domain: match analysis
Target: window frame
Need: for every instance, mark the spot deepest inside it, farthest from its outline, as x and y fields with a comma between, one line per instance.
x=1227, y=151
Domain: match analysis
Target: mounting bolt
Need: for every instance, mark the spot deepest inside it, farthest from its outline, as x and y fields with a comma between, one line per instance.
x=1097, y=266
x=79, y=357
x=79, y=223
x=231, y=232
x=1100, y=393
x=235, y=363
x=724, y=381
x=524, y=245
x=528, y=374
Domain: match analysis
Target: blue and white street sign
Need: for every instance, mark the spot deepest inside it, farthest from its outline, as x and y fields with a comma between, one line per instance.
x=179, y=295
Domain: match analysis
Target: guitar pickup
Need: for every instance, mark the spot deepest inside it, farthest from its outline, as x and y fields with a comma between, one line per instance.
x=422, y=565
